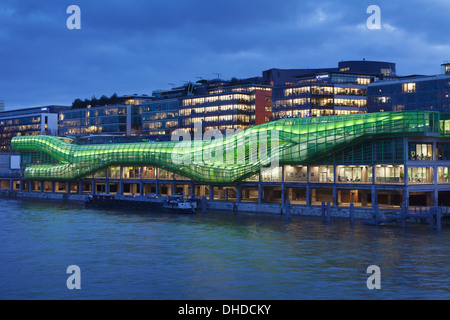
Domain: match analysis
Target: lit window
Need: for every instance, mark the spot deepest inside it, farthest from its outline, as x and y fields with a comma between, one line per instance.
x=409, y=87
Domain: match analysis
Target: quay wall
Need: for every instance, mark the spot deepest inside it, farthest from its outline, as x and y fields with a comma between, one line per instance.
x=250, y=207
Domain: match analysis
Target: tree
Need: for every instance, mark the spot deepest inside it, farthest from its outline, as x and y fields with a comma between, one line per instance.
x=94, y=101
x=78, y=103
x=104, y=100
x=114, y=99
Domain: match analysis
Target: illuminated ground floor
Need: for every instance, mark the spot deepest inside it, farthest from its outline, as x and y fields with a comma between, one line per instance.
x=382, y=186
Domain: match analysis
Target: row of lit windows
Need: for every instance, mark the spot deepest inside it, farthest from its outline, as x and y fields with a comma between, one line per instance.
x=322, y=102
x=387, y=174
x=8, y=136
x=223, y=118
x=350, y=102
x=250, y=89
x=311, y=113
x=326, y=90
x=350, y=91
x=227, y=97
x=240, y=89
x=100, y=112
x=20, y=128
x=160, y=116
x=228, y=107
x=93, y=130
x=92, y=121
x=158, y=125
x=19, y=121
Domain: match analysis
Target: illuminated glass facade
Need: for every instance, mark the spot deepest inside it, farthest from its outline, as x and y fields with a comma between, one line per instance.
x=332, y=93
x=322, y=141
x=111, y=119
x=25, y=122
x=227, y=108
x=160, y=118
x=410, y=93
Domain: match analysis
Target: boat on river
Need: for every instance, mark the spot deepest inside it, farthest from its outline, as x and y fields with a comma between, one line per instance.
x=174, y=203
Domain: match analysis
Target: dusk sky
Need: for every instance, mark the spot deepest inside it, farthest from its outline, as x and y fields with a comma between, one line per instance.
x=135, y=47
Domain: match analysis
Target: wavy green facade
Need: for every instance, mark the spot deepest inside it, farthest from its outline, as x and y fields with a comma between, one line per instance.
x=228, y=160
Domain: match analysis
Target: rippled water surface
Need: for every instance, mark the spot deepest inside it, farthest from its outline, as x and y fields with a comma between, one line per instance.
x=153, y=255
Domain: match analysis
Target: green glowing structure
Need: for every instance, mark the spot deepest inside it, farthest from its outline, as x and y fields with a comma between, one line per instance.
x=232, y=159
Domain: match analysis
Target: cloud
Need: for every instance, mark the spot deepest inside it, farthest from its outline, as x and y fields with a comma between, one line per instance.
x=140, y=46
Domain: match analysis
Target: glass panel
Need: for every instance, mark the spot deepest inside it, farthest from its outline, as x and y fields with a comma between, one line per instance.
x=295, y=174
x=420, y=175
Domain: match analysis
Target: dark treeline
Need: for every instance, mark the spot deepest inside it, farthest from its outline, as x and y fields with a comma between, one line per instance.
x=104, y=100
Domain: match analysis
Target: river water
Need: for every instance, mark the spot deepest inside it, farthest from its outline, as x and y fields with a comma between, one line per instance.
x=218, y=255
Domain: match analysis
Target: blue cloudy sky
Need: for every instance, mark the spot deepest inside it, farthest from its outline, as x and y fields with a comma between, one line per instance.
x=129, y=47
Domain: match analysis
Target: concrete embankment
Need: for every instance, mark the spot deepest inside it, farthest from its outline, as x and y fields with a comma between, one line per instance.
x=278, y=209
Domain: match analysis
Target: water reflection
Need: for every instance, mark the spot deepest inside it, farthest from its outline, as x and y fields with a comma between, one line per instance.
x=127, y=254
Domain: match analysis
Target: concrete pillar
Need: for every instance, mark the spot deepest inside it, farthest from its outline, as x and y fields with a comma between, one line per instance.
x=260, y=193
x=21, y=185
x=94, y=187
x=435, y=201
x=438, y=219
x=203, y=204
x=335, y=195
x=211, y=193
x=405, y=175
x=435, y=197
x=308, y=195
x=238, y=193
x=67, y=187
x=107, y=187
x=364, y=198
x=374, y=197
x=406, y=197
x=374, y=177
x=283, y=193
x=41, y=186
x=192, y=193
x=80, y=187
x=352, y=213
x=328, y=213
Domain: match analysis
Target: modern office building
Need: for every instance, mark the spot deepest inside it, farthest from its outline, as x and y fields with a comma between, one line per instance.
x=31, y=121
x=388, y=159
x=381, y=68
x=160, y=118
x=226, y=108
x=111, y=119
x=328, y=91
x=411, y=93
x=123, y=117
x=119, y=119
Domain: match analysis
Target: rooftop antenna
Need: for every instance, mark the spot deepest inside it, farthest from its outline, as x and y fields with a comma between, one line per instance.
x=218, y=75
